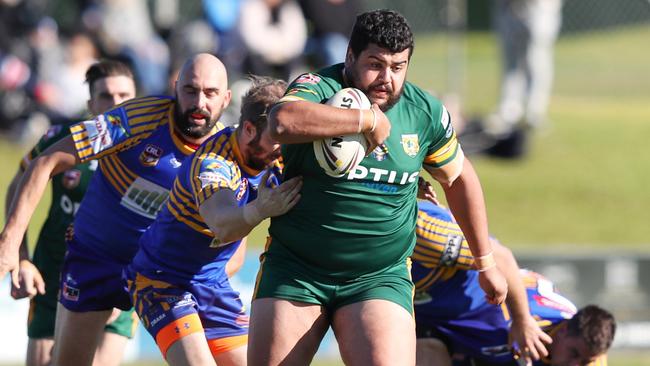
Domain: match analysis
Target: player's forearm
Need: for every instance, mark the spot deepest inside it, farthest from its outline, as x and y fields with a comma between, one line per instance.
x=465, y=199
x=517, y=300
x=227, y=223
x=29, y=192
x=23, y=251
x=301, y=121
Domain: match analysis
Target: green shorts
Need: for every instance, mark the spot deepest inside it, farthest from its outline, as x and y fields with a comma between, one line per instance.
x=292, y=280
x=42, y=308
x=41, y=322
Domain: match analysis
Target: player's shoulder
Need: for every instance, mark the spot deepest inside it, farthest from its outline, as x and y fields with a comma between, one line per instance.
x=328, y=78
x=421, y=98
x=218, y=144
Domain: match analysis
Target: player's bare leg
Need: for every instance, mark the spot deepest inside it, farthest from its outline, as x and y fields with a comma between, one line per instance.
x=364, y=341
x=190, y=350
x=76, y=336
x=235, y=357
x=431, y=351
x=39, y=351
x=110, y=350
x=284, y=332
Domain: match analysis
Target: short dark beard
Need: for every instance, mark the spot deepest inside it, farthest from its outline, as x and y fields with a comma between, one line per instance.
x=354, y=81
x=183, y=124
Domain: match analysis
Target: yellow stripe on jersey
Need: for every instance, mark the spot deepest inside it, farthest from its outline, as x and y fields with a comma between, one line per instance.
x=219, y=149
x=144, y=102
x=128, y=175
x=290, y=98
x=433, y=237
x=185, y=196
x=119, y=186
x=183, y=219
x=180, y=203
x=447, y=151
x=81, y=141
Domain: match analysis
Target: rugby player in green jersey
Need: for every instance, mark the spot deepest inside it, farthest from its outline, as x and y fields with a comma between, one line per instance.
x=340, y=257
x=110, y=83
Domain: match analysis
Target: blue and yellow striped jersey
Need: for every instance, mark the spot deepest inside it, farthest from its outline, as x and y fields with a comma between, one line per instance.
x=179, y=246
x=139, y=154
x=449, y=300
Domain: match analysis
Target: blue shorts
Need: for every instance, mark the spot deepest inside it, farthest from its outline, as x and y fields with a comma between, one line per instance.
x=170, y=312
x=91, y=282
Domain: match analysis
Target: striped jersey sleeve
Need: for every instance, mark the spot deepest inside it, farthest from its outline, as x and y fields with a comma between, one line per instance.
x=447, y=151
x=213, y=168
x=119, y=128
x=305, y=87
x=439, y=240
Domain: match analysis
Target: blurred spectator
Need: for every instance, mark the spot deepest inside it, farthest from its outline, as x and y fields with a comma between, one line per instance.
x=126, y=29
x=71, y=93
x=275, y=33
x=527, y=30
x=330, y=23
x=223, y=17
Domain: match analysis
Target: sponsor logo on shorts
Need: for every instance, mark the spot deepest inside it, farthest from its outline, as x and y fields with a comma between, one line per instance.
x=151, y=155
x=70, y=293
x=157, y=319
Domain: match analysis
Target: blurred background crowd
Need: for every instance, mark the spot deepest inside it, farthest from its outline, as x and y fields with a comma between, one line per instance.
x=46, y=46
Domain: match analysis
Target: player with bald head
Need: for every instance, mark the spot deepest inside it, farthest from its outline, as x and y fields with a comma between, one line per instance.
x=140, y=146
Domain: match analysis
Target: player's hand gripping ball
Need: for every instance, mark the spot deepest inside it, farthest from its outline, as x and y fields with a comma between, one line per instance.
x=339, y=155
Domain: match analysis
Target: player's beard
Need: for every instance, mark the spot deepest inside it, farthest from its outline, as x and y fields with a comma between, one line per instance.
x=188, y=128
x=255, y=150
x=393, y=97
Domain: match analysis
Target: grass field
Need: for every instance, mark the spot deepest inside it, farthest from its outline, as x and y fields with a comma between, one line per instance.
x=584, y=185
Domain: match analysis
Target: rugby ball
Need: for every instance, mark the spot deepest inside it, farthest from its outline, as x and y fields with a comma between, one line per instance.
x=339, y=155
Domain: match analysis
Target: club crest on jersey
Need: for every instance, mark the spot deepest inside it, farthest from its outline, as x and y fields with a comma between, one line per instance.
x=380, y=152
x=71, y=178
x=150, y=155
x=411, y=144
x=308, y=79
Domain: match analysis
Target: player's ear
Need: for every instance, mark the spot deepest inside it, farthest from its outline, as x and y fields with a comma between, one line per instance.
x=250, y=131
x=349, y=57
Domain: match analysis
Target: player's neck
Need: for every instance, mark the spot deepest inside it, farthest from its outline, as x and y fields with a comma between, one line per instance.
x=193, y=143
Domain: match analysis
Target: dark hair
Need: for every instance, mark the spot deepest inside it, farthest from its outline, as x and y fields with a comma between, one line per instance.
x=596, y=326
x=104, y=69
x=260, y=97
x=386, y=28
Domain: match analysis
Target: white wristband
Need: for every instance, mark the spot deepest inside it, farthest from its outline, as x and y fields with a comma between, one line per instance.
x=374, y=120
x=252, y=215
x=360, y=126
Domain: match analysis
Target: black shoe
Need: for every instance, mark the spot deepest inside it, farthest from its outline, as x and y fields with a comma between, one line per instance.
x=513, y=146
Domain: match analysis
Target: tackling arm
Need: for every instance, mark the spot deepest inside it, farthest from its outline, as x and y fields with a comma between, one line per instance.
x=229, y=222
x=524, y=330
x=302, y=121
x=29, y=191
x=465, y=198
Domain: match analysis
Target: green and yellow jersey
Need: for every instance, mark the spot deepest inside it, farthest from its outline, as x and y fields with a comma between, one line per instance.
x=364, y=221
